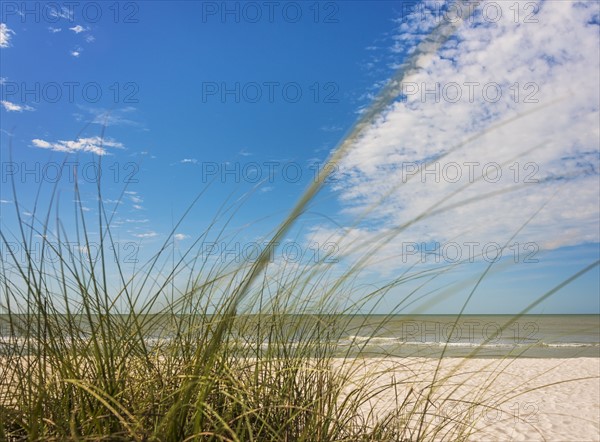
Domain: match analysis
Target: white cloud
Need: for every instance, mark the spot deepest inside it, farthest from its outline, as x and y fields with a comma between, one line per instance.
x=555, y=58
x=54, y=30
x=78, y=29
x=180, y=236
x=5, y=201
x=63, y=13
x=145, y=235
x=5, y=35
x=13, y=107
x=95, y=145
x=332, y=128
x=110, y=117
x=137, y=207
x=90, y=38
x=75, y=53
x=189, y=161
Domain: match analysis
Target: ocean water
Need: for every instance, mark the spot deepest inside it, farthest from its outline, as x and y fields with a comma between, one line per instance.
x=489, y=336
x=539, y=336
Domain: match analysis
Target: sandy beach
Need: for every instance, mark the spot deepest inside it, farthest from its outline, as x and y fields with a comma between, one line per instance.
x=491, y=400
x=523, y=399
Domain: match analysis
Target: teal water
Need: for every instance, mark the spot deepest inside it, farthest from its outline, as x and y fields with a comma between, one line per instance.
x=540, y=336
x=491, y=336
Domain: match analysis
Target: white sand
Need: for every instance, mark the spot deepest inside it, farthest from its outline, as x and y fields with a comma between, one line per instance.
x=565, y=411
x=518, y=399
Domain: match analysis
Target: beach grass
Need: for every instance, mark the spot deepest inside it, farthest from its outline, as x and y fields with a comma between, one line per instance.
x=75, y=367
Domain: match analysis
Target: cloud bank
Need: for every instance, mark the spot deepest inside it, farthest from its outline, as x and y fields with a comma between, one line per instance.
x=443, y=147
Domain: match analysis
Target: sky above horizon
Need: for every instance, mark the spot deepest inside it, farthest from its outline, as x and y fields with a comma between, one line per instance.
x=492, y=145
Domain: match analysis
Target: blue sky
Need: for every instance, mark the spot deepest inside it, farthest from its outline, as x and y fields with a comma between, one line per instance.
x=174, y=96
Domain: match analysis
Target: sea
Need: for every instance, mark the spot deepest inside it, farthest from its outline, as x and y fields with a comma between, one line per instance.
x=491, y=336
x=482, y=336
